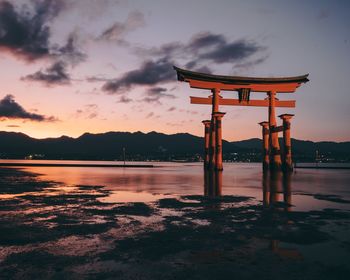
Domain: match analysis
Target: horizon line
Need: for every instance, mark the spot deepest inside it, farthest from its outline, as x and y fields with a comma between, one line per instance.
x=153, y=131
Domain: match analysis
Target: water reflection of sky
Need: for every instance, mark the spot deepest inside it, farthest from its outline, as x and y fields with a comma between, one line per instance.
x=311, y=189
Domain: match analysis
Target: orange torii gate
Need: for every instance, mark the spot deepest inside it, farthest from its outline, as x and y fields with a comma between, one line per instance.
x=244, y=86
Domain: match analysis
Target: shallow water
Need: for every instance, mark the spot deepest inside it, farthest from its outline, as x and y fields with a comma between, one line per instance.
x=243, y=179
x=174, y=221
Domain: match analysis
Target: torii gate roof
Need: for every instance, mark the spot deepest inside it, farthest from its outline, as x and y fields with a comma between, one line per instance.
x=210, y=81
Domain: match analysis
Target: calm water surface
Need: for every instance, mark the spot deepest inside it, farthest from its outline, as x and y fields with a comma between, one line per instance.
x=243, y=179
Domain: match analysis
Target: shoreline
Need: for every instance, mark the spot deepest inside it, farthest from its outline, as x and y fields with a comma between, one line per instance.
x=17, y=164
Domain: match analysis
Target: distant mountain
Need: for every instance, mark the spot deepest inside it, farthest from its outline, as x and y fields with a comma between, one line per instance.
x=306, y=150
x=107, y=146
x=152, y=146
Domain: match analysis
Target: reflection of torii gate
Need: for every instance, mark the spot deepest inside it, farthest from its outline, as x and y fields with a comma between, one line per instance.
x=244, y=86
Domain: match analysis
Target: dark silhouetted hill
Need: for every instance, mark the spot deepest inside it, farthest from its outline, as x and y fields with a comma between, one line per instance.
x=153, y=146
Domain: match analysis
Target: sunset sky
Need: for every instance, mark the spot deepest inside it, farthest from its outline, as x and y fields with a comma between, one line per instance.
x=69, y=67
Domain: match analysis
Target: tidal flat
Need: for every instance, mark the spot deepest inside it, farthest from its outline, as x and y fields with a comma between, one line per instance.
x=60, y=229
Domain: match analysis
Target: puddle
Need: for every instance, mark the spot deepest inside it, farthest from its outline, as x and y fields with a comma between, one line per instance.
x=126, y=197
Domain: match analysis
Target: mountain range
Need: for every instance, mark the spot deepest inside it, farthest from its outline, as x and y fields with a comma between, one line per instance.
x=154, y=146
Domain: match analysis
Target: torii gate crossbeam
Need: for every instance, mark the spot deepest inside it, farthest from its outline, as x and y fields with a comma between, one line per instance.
x=237, y=102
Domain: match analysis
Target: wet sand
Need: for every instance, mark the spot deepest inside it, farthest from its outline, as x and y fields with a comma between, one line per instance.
x=51, y=230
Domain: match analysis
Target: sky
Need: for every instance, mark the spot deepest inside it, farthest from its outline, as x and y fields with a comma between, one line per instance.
x=70, y=67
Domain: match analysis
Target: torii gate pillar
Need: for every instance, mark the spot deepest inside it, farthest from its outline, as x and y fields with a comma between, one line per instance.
x=213, y=139
x=218, y=140
x=275, y=153
x=265, y=144
x=207, y=124
x=287, y=144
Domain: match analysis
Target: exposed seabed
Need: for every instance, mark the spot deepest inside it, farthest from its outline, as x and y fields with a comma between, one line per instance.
x=53, y=231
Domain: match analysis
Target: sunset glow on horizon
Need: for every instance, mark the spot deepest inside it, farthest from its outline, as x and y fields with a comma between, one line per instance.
x=71, y=67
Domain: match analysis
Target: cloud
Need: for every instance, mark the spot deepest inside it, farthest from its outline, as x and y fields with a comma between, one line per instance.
x=171, y=109
x=203, y=69
x=70, y=51
x=94, y=79
x=153, y=95
x=188, y=112
x=26, y=33
x=10, y=109
x=165, y=50
x=204, y=40
x=124, y=99
x=92, y=116
x=91, y=106
x=56, y=74
x=231, y=52
x=206, y=48
x=250, y=64
x=115, y=32
x=150, y=73
x=13, y=125
x=149, y=115
x=89, y=111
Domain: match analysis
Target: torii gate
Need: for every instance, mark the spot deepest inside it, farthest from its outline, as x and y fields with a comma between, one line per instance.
x=244, y=86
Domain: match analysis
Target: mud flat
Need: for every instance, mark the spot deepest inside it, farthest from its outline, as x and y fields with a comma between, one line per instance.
x=50, y=230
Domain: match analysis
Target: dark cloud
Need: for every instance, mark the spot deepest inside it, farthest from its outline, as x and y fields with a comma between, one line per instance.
x=54, y=75
x=135, y=20
x=205, y=40
x=70, y=51
x=26, y=33
x=94, y=79
x=166, y=50
x=231, y=52
x=10, y=109
x=190, y=64
x=149, y=74
x=124, y=99
x=153, y=95
x=171, y=109
x=204, y=48
x=159, y=91
x=203, y=69
x=13, y=125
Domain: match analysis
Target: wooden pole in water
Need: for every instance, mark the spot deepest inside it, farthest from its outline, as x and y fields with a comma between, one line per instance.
x=218, y=140
x=287, y=143
x=207, y=124
x=265, y=145
x=274, y=149
x=212, y=144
